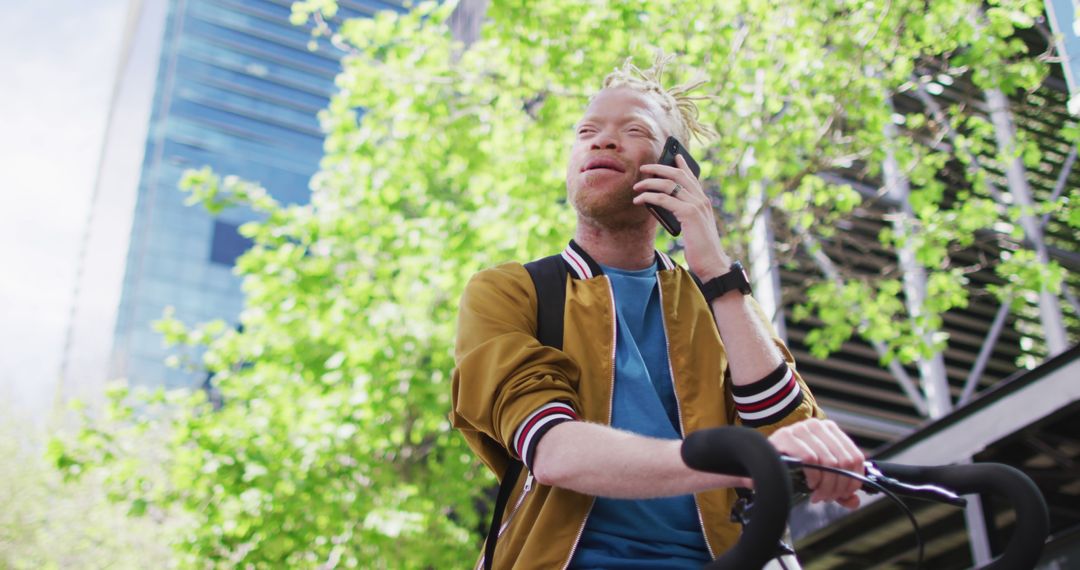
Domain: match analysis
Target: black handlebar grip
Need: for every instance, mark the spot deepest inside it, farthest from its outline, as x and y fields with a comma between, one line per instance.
x=1032, y=517
x=742, y=451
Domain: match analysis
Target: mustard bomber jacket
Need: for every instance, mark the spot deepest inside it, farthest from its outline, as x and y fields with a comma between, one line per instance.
x=504, y=374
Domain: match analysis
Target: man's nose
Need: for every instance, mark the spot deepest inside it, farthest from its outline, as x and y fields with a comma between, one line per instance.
x=605, y=140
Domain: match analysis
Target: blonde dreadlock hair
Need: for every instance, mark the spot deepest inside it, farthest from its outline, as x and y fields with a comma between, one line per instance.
x=680, y=107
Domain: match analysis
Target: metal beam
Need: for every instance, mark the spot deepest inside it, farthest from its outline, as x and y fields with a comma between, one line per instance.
x=933, y=378
x=1068, y=259
x=978, y=539
x=1008, y=408
x=826, y=265
x=1071, y=298
x=1062, y=16
x=1017, y=180
x=1059, y=185
x=466, y=19
x=973, y=162
x=991, y=422
x=984, y=353
x=764, y=272
x=869, y=423
x=1016, y=175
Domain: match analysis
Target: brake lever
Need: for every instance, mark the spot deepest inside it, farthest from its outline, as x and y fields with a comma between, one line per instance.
x=875, y=475
x=924, y=491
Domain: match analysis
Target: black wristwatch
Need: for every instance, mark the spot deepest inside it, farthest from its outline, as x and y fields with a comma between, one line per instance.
x=732, y=280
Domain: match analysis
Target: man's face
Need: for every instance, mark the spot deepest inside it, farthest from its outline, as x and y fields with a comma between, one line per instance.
x=622, y=129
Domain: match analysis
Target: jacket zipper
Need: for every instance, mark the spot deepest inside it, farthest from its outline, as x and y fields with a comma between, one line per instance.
x=611, y=405
x=580, y=531
x=678, y=404
x=517, y=505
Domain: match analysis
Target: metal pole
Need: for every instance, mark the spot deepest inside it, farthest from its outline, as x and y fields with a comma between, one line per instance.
x=466, y=20
x=978, y=539
x=764, y=273
x=1016, y=176
x=985, y=352
x=1059, y=185
x=934, y=379
x=826, y=265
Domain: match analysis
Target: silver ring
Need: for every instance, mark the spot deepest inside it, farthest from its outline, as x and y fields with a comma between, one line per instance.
x=675, y=190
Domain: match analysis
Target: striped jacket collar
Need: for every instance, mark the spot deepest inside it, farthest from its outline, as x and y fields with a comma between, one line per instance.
x=582, y=266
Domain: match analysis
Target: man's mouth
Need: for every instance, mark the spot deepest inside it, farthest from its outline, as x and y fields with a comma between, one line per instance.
x=602, y=164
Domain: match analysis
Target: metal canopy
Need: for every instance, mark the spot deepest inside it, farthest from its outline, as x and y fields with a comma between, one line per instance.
x=987, y=343
x=1030, y=421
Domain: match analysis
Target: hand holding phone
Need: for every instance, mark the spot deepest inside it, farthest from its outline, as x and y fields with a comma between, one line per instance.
x=672, y=148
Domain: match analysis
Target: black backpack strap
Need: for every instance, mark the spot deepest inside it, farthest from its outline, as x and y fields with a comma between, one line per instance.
x=509, y=478
x=549, y=276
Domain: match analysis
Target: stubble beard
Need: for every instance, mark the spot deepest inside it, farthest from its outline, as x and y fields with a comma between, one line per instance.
x=609, y=209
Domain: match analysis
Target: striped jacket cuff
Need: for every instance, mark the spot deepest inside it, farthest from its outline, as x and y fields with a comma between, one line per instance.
x=768, y=400
x=536, y=425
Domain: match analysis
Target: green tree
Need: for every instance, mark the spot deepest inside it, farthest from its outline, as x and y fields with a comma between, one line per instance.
x=47, y=523
x=333, y=446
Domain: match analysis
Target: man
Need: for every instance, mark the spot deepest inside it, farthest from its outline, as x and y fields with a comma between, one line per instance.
x=646, y=359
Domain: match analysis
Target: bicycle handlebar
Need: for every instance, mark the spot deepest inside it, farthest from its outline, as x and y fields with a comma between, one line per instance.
x=1032, y=517
x=743, y=451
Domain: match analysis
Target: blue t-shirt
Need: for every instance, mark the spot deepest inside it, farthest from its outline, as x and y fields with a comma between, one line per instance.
x=649, y=533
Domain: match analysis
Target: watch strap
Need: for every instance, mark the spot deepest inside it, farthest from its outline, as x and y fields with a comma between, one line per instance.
x=733, y=280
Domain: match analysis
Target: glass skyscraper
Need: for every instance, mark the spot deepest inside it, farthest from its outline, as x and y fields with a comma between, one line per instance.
x=237, y=89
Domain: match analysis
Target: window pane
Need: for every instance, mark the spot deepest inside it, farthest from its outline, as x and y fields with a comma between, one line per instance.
x=227, y=243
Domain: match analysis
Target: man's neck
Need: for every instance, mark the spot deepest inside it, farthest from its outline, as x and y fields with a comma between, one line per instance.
x=628, y=248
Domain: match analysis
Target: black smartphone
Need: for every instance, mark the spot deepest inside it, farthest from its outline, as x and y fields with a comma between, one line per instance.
x=672, y=148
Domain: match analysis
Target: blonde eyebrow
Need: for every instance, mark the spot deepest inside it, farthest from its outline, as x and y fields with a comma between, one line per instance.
x=633, y=118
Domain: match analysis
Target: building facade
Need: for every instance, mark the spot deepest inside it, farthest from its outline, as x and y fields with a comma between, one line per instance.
x=228, y=84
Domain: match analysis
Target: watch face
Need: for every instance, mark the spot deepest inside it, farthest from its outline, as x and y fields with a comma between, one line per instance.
x=744, y=287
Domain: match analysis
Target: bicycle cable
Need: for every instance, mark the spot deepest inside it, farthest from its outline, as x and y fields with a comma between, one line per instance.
x=791, y=462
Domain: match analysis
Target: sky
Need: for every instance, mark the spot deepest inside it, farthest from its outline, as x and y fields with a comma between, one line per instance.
x=59, y=59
